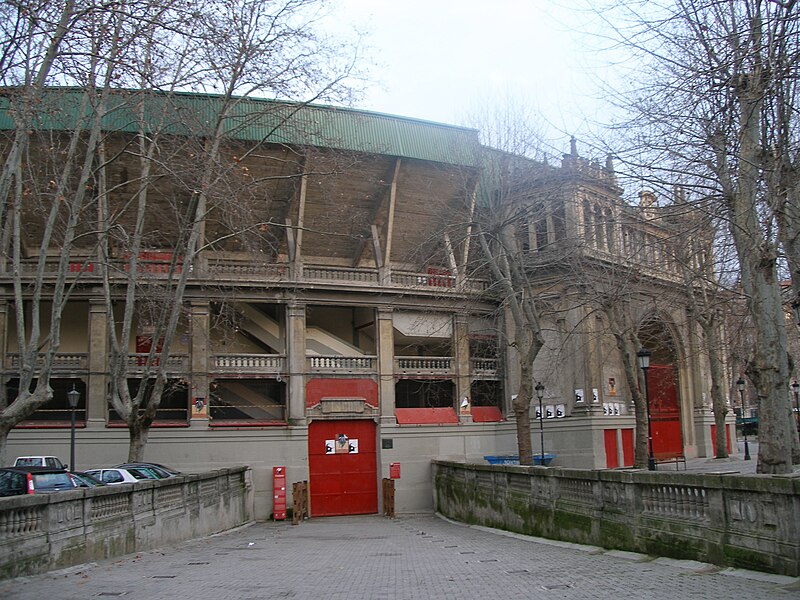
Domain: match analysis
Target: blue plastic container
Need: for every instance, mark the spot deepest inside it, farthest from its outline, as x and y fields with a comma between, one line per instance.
x=513, y=459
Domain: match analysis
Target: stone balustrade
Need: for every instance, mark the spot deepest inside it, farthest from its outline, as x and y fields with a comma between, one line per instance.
x=41, y=532
x=745, y=521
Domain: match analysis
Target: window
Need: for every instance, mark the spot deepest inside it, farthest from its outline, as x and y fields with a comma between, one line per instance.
x=424, y=393
x=588, y=224
x=610, y=230
x=487, y=393
x=56, y=412
x=247, y=402
x=601, y=238
x=173, y=408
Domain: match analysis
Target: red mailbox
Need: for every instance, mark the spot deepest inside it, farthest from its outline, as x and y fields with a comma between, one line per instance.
x=394, y=470
x=279, y=493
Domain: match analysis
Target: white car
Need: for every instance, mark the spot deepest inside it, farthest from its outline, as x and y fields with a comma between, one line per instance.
x=51, y=462
x=116, y=476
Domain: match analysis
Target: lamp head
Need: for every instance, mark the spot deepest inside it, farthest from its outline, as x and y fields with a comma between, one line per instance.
x=643, y=356
x=539, y=390
x=740, y=384
x=73, y=396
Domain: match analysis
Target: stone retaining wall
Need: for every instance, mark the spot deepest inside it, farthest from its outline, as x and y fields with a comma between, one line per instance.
x=750, y=521
x=42, y=532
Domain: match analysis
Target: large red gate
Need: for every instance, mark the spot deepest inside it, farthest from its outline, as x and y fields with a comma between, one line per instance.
x=342, y=466
x=665, y=414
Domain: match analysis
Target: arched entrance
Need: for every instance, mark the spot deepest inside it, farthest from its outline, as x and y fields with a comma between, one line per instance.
x=662, y=391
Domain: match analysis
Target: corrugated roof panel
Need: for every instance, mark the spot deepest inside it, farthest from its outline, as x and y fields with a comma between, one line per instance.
x=266, y=120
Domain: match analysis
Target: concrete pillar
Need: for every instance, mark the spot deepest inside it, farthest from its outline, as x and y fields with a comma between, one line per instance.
x=199, y=322
x=385, y=333
x=296, y=361
x=461, y=357
x=97, y=386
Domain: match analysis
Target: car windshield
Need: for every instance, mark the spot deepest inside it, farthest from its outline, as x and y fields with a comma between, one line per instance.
x=51, y=481
x=141, y=473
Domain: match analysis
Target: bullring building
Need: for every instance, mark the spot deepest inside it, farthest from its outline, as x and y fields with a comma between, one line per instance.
x=336, y=315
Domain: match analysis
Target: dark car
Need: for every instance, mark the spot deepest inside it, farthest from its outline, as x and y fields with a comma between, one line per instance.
x=84, y=480
x=16, y=481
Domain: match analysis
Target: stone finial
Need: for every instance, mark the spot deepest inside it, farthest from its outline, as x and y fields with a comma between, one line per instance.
x=647, y=198
x=573, y=146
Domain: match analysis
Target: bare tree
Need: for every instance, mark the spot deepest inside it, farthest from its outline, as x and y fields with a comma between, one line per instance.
x=238, y=49
x=234, y=49
x=47, y=196
x=715, y=104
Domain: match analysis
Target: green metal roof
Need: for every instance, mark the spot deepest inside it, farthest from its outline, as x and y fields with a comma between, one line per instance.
x=255, y=120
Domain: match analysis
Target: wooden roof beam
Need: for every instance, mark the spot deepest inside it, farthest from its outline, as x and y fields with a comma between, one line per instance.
x=378, y=218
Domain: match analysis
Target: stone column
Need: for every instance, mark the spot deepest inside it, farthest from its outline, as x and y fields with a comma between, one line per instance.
x=199, y=331
x=461, y=357
x=296, y=361
x=385, y=333
x=97, y=386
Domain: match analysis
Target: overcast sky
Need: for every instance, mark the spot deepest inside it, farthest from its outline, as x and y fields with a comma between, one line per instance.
x=445, y=60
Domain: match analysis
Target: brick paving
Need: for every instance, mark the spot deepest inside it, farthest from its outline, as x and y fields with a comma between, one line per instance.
x=370, y=557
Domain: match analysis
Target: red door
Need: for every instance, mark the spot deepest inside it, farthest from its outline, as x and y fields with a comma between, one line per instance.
x=342, y=467
x=610, y=442
x=665, y=415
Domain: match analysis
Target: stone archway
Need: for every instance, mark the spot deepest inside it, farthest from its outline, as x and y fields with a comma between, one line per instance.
x=663, y=390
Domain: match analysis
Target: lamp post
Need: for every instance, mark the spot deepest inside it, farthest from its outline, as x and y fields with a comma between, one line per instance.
x=740, y=387
x=72, y=397
x=643, y=356
x=540, y=394
x=795, y=391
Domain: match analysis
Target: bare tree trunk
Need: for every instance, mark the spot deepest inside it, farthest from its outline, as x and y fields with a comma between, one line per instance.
x=627, y=345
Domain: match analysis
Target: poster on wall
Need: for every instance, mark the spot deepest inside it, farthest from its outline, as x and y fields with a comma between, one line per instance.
x=595, y=395
x=341, y=445
x=579, y=395
x=612, y=386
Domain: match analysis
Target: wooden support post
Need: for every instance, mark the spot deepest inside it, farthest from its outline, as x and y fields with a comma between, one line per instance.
x=300, y=502
x=388, y=497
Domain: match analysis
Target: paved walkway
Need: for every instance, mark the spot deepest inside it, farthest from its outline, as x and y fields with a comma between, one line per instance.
x=360, y=558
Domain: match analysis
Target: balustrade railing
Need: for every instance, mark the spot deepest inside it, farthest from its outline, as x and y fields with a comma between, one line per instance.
x=424, y=365
x=484, y=367
x=175, y=362
x=247, y=270
x=220, y=268
x=342, y=363
x=63, y=361
x=323, y=273
x=250, y=363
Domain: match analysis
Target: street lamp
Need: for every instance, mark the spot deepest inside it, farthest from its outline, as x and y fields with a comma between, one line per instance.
x=643, y=356
x=740, y=387
x=540, y=394
x=795, y=390
x=72, y=397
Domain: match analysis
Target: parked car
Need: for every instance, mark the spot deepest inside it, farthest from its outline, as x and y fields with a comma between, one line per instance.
x=115, y=476
x=39, y=461
x=84, y=480
x=160, y=470
x=15, y=481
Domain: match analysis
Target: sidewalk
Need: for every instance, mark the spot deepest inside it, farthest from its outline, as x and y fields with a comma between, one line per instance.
x=373, y=558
